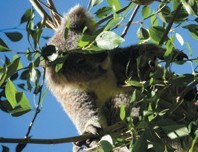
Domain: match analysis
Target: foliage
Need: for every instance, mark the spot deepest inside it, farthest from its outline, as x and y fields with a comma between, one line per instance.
x=158, y=24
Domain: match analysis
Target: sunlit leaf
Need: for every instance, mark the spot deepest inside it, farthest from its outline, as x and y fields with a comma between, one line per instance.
x=180, y=39
x=122, y=112
x=108, y=40
x=115, y=4
x=27, y=15
x=188, y=7
x=10, y=92
x=146, y=11
x=96, y=2
x=156, y=33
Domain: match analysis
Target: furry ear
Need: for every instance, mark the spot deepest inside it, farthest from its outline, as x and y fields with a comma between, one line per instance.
x=79, y=19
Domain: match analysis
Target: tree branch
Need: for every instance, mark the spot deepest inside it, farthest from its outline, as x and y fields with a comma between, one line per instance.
x=130, y=21
x=118, y=128
x=48, y=20
x=37, y=108
x=170, y=24
x=47, y=141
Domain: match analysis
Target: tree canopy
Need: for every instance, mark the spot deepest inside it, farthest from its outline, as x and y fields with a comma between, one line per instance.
x=164, y=23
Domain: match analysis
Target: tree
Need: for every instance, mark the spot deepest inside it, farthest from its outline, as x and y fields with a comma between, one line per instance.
x=16, y=80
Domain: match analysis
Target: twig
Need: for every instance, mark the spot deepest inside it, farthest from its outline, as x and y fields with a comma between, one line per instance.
x=48, y=20
x=54, y=14
x=170, y=24
x=130, y=21
x=37, y=108
x=111, y=16
x=89, y=5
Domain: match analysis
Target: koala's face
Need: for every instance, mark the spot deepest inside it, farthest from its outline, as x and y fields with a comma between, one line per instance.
x=85, y=67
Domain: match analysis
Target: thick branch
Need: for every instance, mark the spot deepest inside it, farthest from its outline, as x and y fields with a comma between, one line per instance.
x=170, y=24
x=114, y=130
x=48, y=141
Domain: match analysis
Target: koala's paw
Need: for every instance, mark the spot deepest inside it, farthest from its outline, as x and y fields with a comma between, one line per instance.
x=91, y=142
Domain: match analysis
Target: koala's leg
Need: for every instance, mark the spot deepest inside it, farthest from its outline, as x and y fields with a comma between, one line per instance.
x=82, y=109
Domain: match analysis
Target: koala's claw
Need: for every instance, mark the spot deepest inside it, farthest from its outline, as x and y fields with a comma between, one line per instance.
x=90, y=130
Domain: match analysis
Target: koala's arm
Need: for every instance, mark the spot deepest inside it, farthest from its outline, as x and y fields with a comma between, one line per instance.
x=137, y=61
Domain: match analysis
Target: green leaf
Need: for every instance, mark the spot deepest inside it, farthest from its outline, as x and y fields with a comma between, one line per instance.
x=141, y=144
x=2, y=43
x=108, y=40
x=4, y=49
x=122, y=112
x=14, y=36
x=179, y=38
x=154, y=20
x=189, y=48
x=13, y=67
x=135, y=83
x=27, y=15
x=96, y=2
x=188, y=6
x=112, y=23
x=193, y=28
x=23, y=105
x=175, y=131
x=106, y=143
x=134, y=95
x=5, y=149
x=10, y=92
x=115, y=4
x=182, y=80
x=103, y=12
x=156, y=33
x=142, y=33
x=165, y=13
x=146, y=11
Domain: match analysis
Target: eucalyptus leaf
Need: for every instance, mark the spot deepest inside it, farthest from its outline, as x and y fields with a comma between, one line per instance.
x=14, y=36
x=156, y=33
x=10, y=92
x=108, y=40
x=122, y=112
x=96, y=2
x=193, y=28
x=103, y=12
x=146, y=11
x=27, y=15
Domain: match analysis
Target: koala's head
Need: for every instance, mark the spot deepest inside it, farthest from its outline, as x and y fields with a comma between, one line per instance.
x=78, y=66
x=78, y=19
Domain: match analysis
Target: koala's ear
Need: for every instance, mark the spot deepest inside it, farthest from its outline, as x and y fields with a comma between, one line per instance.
x=79, y=19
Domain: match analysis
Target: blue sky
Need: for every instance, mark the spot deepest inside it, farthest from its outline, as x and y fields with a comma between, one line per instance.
x=52, y=121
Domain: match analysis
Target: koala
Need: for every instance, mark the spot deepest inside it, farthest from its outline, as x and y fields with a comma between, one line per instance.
x=91, y=87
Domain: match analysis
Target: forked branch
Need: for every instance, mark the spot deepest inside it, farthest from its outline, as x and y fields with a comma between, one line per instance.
x=52, y=21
